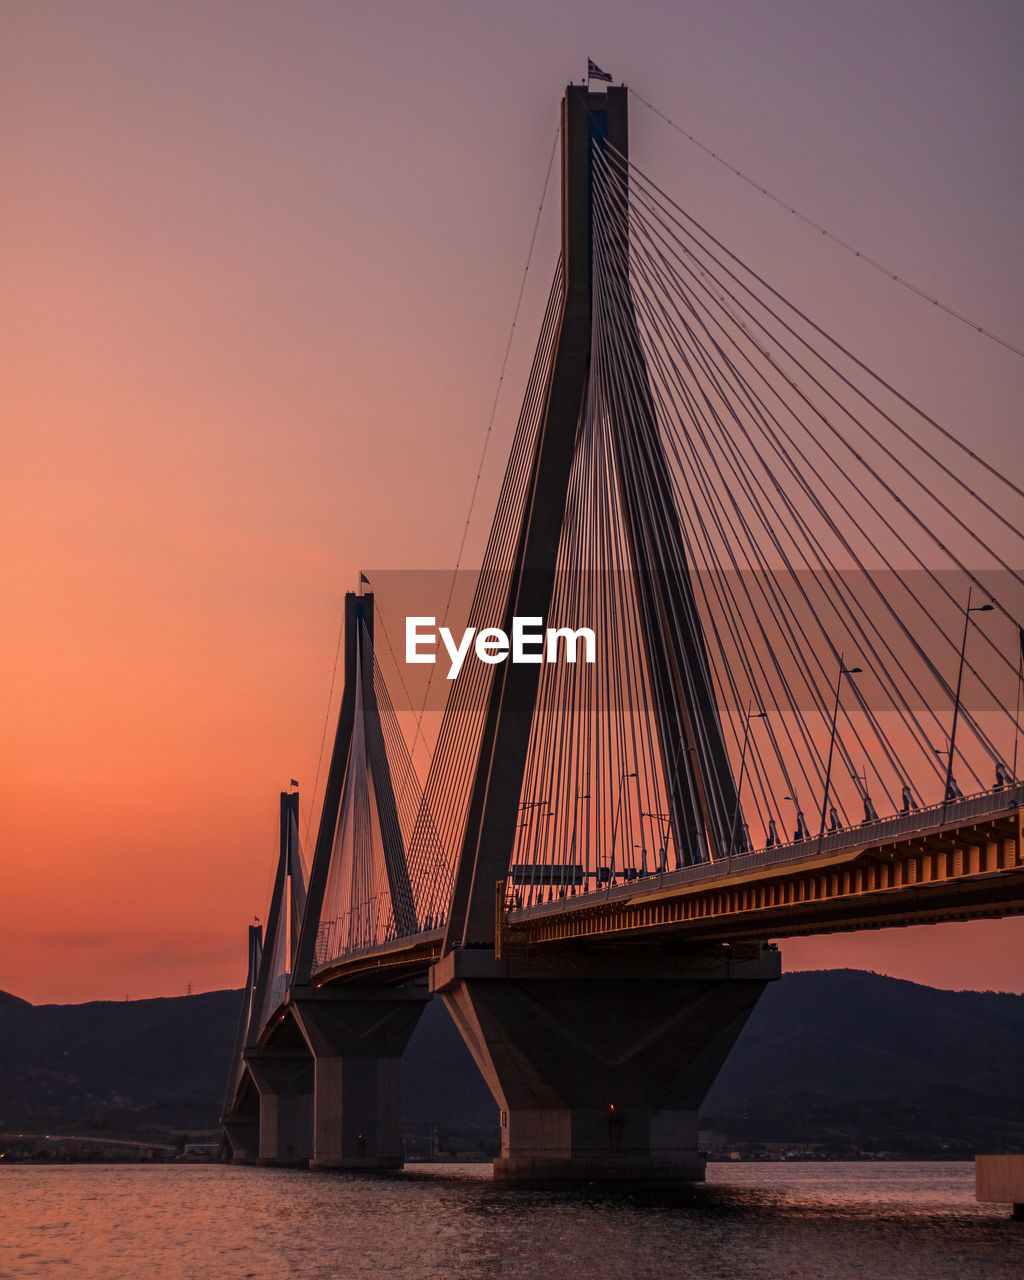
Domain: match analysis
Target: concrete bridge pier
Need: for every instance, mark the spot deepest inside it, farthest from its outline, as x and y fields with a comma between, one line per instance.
x=243, y=1135
x=600, y=1066
x=284, y=1078
x=357, y=1037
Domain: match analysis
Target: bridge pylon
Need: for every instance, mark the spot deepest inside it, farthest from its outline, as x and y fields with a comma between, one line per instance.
x=282, y=1072
x=241, y=1111
x=318, y=1080
x=284, y=1078
x=701, y=792
x=599, y=1064
x=357, y=1036
x=359, y=882
x=336, y=1076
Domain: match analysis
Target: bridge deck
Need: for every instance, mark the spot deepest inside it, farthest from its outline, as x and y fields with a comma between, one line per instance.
x=959, y=861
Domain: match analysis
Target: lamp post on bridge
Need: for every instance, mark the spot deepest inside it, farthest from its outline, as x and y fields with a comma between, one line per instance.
x=615, y=823
x=968, y=610
x=672, y=783
x=528, y=808
x=756, y=715
x=663, y=834
x=844, y=670
x=575, y=827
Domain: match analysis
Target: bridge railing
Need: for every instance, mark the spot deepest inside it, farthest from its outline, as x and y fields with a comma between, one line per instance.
x=966, y=809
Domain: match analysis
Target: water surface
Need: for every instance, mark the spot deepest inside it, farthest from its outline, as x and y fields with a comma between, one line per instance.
x=785, y=1221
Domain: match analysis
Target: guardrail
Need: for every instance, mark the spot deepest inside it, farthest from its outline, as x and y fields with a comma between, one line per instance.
x=885, y=830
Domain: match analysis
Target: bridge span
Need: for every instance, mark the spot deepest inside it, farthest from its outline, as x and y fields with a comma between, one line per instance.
x=955, y=862
x=960, y=861
x=775, y=552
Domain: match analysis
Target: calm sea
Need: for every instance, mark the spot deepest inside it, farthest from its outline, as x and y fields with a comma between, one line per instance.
x=775, y=1222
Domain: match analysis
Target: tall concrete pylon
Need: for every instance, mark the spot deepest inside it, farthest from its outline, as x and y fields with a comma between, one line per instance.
x=282, y=1073
x=352, y=1037
x=240, y=1114
x=598, y=1065
x=693, y=753
x=358, y=702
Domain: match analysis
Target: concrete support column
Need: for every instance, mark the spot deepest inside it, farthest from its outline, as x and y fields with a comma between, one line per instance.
x=1000, y=1180
x=243, y=1135
x=600, y=1068
x=357, y=1037
x=284, y=1078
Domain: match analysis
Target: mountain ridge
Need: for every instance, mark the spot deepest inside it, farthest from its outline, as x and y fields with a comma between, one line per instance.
x=846, y=1050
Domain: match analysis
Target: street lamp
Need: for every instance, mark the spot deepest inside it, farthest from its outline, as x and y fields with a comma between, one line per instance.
x=672, y=784
x=575, y=823
x=662, y=836
x=844, y=670
x=968, y=610
x=526, y=808
x=615, y=822
x=756, y=715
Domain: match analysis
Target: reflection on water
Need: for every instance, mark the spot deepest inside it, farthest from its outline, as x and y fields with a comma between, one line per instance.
x=798, y=1221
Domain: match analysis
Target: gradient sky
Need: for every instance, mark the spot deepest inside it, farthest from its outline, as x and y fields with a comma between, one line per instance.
x=259, y=263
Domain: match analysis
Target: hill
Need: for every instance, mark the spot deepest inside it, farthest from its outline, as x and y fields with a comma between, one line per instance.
x=843, y=1058
x=853, y=1061
x=136, y=1067
x=848, y=1033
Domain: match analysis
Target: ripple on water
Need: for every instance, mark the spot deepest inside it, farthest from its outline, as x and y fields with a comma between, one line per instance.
x=802, y=1222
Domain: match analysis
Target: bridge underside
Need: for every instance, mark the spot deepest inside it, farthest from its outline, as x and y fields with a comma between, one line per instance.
x=600, y=1071
x=629, y=1002
x=242, y=1123
x=356, y=1039
x=284, y=1078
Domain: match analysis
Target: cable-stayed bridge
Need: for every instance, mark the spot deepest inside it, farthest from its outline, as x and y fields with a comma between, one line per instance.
x=802, y=715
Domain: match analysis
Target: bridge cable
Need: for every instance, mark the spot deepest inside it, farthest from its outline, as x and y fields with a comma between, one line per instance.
x=948, y=472
x=494, y=409
x=327, y=721
x=871, y=719
x=794, y=514
x=843, y=244
x=959, y=564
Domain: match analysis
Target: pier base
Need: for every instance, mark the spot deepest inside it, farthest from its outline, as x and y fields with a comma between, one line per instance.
x=243, y=1135
x=284, y=1078
x=1000, y=1180
x=600, y=1067
x=357, y=1039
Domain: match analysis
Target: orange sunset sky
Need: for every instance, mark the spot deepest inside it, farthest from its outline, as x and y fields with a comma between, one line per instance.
x=259, y=264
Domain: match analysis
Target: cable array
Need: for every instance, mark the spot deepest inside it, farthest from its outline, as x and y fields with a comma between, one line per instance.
x=776, y=553
x=818, y=516
x=830, y=235
x=437, y=835
x=369, y=897
x=284, y=918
